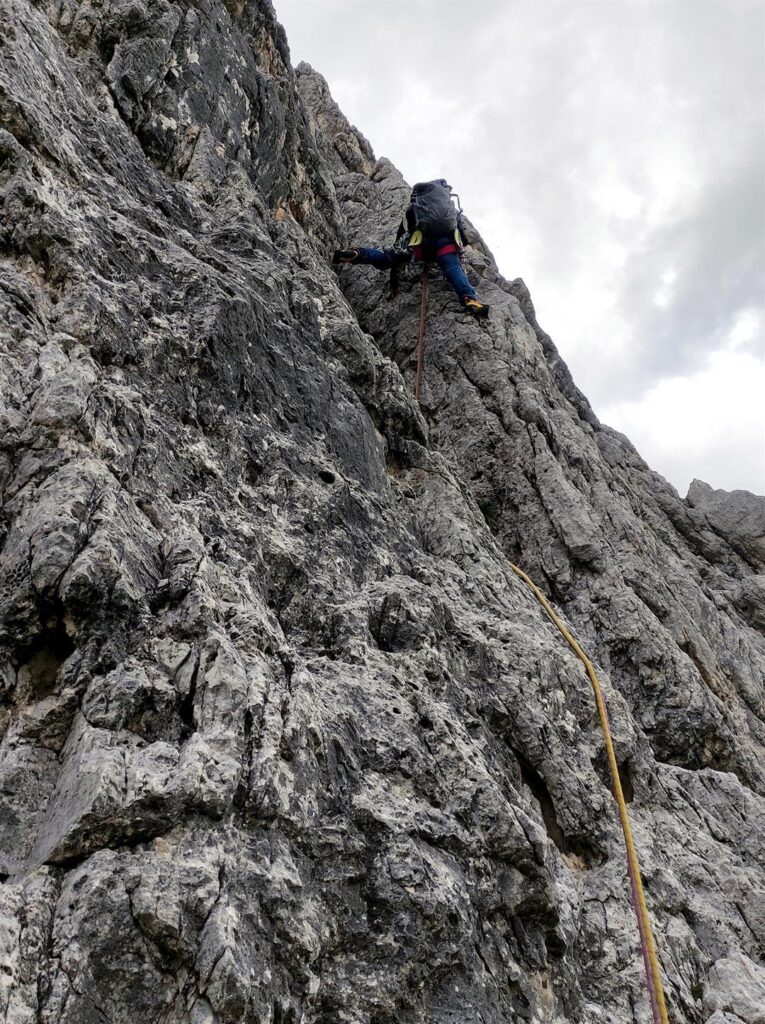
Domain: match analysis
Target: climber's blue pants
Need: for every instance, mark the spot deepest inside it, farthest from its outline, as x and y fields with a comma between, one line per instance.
x=450, y=264
x=382, y=259
x=452, y=269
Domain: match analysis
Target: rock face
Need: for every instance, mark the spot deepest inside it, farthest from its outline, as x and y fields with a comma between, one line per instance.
x=736, y=515
x=283, y=739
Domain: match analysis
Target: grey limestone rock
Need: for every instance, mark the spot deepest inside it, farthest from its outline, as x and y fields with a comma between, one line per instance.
x=282, y=738
x=739, y=516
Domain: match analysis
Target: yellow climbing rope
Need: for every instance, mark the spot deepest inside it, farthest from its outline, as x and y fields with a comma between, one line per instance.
x=648, y=946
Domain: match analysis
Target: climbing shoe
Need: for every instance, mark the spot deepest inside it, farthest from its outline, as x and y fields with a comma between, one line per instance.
x=345, y=256
x=475, y=308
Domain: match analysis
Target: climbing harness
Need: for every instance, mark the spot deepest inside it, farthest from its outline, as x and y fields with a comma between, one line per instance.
x=416, y=243
x=421, y=339
x=647, y=944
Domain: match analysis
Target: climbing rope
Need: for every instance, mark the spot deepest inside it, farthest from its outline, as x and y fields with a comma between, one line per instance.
x=421, y=339
x=647, y=944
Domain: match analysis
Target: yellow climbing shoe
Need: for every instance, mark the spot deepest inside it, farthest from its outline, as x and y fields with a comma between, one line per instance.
x=475, y=308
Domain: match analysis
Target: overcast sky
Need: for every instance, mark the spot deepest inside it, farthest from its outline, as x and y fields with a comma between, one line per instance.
x=612, y=154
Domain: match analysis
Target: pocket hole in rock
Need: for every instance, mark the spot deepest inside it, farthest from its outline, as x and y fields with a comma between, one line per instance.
x=42, y=660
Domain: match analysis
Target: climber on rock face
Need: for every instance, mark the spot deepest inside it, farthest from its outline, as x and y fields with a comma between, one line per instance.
x=429, y=230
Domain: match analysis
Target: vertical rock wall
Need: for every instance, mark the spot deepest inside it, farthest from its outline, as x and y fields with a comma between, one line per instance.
x=283, y=740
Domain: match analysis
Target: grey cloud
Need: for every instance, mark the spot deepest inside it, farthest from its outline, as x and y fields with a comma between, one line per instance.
x=718, y=253
x=722, y=463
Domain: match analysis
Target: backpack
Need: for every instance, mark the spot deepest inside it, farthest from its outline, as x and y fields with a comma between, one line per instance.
x=434, y=212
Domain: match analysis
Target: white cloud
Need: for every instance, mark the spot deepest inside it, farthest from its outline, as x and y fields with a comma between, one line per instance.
x=663, y=295
x=746, y=329
x=713, y=418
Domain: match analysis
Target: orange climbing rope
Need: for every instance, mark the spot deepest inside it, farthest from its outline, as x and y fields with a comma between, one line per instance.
x=647, y=944
x=421, y=338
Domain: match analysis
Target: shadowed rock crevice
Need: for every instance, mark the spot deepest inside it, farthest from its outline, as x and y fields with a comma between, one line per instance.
x=40, y=661
x=584, y=851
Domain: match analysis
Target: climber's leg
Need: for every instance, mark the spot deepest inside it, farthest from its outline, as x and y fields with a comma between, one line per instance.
x=381, y=259
x=452, y=269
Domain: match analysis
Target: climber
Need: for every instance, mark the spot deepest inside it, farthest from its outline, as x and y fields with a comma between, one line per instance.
x=429, y=230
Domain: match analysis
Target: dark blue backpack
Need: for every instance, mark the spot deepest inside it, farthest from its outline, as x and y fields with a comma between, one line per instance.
x=434, y=212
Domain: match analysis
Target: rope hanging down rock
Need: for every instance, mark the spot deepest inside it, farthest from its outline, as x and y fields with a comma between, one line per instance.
x=421, y=338
x=647, y=944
